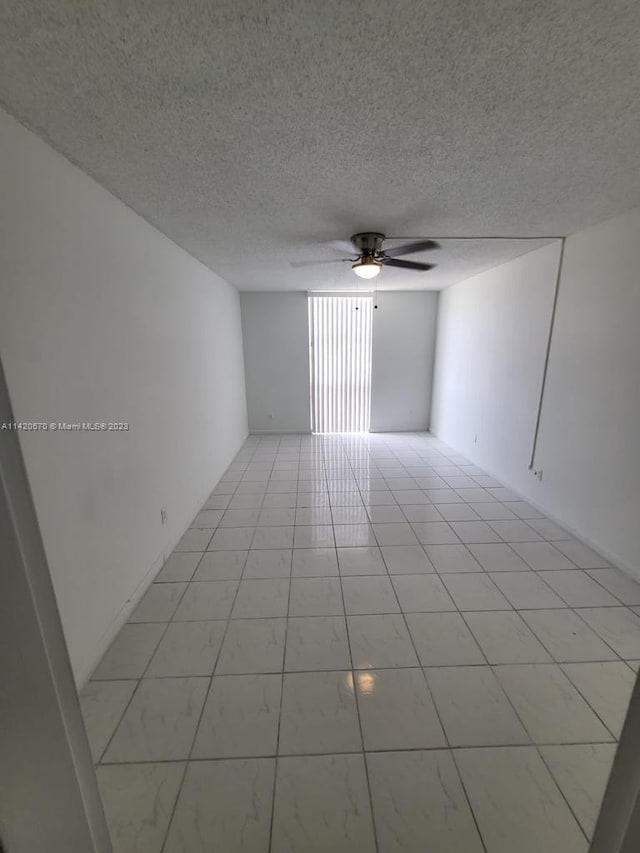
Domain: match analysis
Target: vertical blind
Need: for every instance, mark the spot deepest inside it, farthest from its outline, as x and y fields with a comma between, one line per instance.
x=340, y=362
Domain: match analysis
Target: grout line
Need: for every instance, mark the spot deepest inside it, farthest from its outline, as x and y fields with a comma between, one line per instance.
x=358, y=714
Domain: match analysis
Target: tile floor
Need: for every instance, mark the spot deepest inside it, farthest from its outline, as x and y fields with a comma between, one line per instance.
x=365, y=644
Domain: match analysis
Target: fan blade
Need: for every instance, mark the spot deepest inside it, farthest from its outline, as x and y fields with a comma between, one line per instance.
x=410, y=248
x=317, y=263
x=345, y=246
x=406, y=265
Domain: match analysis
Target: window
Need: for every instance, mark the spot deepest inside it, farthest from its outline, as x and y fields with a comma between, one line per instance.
x=340, y=362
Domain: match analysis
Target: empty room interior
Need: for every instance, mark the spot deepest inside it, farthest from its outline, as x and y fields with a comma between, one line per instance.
x=320, y=440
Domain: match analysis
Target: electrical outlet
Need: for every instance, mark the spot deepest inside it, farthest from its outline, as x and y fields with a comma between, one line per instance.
x=163, y=515
x=538, y=474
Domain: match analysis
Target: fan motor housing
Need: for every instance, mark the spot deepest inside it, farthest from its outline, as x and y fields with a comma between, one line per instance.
x=369, y=242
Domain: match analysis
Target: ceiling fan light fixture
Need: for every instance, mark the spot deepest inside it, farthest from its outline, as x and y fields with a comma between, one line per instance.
x=367, y=268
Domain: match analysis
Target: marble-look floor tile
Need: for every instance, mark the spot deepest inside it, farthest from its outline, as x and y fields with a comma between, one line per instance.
x=261, y=598
x=380, y=641
x=617, y=626
x=285, y=500
x=231, y=539
x=102, y=704
x=581, y=555
x=349, y=515
x=496, y=557
x=548, y=529
x=385, y=514
x=314, y=562
x=448, y=559
x=542, y=556
x=370, y=594
x=361, y=561
x=319, y=714
x=270, y=563
x=179, y=567
x=443, y=639
x=218, y=502
x=527, y=590
x=455, y=512
x=252, y=645
x=273, y=537
x=138, y=802
x=240, y=518
x=194, y=540
x=224, y=805
x=187, y=648
x=406, y=560
x=419, y=804
x=475, y=532
x=240, y=717
x=435, y=532
x=277, y=517
x=524, y=510
x=475, y=592
x=397, y=533
x=619, y=584
x=160, y=722
x=505, y=638
x=566, y=636
x=581, y=772
x=515, y=530
x=221, y=566
x=422, y=594
x=396, y=710
x=322, y=804
x=440, y=512
x=130, y=652
x=208, y=518
x=473, y=708
x=316, y=597
x=607, y=688
x=441, y=496
x=310, y=516
x=159, y=602
x=206, y=600
x=548, y=704
x=314, y=536
x=317, y=642
x=354, y=535
x=579, y=590
x=522, y=809
x=243, y=502
x=492, y=511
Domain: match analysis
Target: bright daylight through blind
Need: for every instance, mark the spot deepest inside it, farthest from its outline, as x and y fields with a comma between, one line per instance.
x=340, y=359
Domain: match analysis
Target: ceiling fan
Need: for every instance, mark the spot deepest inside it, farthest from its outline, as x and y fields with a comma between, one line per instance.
x=371, y=257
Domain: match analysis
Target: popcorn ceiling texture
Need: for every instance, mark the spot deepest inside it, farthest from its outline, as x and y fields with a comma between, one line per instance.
x=250, y=131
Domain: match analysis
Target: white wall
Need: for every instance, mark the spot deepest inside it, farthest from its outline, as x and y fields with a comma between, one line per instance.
x=404, y=331
x=492, y=338
x=492, y=331
x=104, y=319
x=275, y=328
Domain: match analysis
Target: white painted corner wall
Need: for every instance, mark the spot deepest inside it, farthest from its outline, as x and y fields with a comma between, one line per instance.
x=275, y=327
x=403, y=348
x=492, y=331
x=104, y=319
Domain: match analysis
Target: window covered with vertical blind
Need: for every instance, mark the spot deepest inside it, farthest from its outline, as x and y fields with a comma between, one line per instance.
x=340, y=362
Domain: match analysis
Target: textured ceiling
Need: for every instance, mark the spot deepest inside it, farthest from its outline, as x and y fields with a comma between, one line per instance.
x=250, y=131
